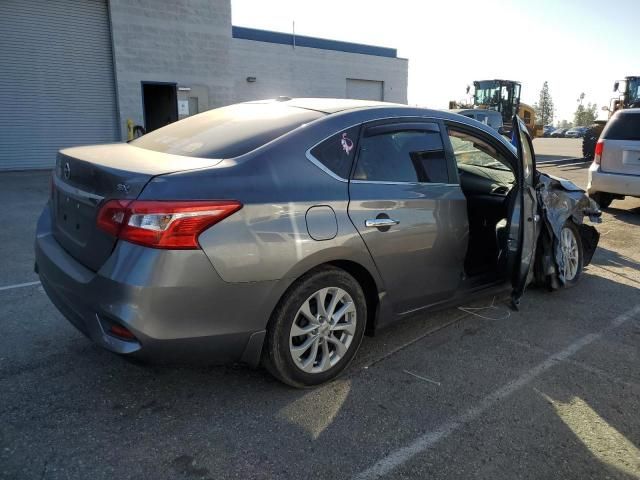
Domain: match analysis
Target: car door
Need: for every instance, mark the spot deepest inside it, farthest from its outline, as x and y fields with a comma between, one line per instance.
x=524, y=217
x=410, y=214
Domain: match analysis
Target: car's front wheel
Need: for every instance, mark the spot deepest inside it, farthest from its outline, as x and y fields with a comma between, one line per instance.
x=571, y=256
x=316, y=329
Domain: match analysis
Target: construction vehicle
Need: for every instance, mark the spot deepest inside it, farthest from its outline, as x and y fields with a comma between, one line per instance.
x=502, y=96
x=528, y=115
x=628, y=97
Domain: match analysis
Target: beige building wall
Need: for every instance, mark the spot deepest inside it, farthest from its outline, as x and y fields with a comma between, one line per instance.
x=309, y=72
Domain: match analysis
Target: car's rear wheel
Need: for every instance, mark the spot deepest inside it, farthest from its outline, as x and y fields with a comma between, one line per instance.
x=316, y=329
x=570, y=253
x=602, y=199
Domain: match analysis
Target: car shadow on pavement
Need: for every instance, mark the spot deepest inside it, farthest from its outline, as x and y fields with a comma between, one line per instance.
x=626, y=215
x=615, y=263
x=613, y=258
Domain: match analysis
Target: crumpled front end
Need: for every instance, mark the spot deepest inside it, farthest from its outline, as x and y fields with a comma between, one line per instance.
x=561, y=200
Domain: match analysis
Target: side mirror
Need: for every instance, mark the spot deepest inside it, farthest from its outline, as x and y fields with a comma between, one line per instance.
x=616, y=85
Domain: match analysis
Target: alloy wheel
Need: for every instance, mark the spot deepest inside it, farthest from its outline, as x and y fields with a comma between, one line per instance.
x=570, y=254
x=323, y=330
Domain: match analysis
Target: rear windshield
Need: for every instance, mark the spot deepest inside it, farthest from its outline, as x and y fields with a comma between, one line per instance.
x=623, y=126
x=226, y=132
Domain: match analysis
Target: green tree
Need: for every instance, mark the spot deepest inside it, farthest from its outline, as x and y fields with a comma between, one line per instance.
x=544, y=107
x=585, y=116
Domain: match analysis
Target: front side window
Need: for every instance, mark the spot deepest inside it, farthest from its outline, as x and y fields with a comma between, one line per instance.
x=402, y=156
x=472, y=151
x=336, y=153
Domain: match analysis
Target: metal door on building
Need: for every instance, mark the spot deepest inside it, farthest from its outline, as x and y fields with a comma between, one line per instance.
x=57, y=84
x=365, y=89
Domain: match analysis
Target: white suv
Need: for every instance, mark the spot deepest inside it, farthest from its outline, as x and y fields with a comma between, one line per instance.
x=615, y=171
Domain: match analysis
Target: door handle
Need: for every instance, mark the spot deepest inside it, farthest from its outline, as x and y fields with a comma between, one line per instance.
x=380, y=222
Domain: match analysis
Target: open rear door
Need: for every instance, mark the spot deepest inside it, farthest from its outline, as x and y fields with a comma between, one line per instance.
x=525, y=220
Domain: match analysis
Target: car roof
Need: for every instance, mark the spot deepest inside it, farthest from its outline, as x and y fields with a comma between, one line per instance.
x=338, y=106
x=629, y=111
x=328, y=105
x=462, y=111
x=339, y=110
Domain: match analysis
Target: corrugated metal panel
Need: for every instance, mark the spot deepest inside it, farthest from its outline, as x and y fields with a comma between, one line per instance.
x=365, y=89
x=56, y=79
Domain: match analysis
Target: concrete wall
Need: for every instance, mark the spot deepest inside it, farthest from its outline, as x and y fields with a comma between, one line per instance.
x=183, y=41
x=309, y=72
x=189, y=42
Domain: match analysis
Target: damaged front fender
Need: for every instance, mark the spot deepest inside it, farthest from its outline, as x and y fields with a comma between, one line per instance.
x=560, y=201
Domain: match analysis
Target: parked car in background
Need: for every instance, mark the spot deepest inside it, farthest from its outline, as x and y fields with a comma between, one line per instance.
x=277, y=232
x=559, y=132
x=615, y=171
x=575, y=132
x=547, y=130
x=491, y=118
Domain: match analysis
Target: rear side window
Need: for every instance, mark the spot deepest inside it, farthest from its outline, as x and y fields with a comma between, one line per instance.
x=337, y=152
x=402, y=156
x=227, y=132
x=623, y=126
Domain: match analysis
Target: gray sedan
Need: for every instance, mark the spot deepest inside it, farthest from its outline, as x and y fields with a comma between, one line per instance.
x=279, y=232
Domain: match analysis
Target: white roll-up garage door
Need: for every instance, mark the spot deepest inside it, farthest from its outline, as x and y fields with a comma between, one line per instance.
x=365, y=89
x=56, y=79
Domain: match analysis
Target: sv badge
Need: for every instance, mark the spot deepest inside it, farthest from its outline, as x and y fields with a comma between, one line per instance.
x=122, y=187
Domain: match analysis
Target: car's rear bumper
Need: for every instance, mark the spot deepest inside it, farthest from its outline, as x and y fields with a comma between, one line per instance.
x=615, y=183
x=173, y=301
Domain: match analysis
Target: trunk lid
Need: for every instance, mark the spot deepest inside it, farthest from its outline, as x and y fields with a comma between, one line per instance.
x=621, y=156
x=621, y=150
x=86, y=177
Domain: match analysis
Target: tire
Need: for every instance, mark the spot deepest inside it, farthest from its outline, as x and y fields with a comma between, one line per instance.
x=589, y=142
x=602, y=199
x=311, y=366
x=574, y=268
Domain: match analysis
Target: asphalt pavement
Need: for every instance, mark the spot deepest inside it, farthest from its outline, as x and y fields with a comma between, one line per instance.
x=557, y=149
x=551, y=391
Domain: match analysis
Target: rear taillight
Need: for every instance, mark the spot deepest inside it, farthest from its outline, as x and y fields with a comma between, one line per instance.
x=112, y=216
x=163, y=224
x=597, y=158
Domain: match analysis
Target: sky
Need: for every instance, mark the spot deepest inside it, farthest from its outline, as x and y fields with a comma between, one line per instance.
x=577, y=46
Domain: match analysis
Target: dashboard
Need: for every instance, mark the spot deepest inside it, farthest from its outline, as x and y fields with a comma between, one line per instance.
x=490, y=184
